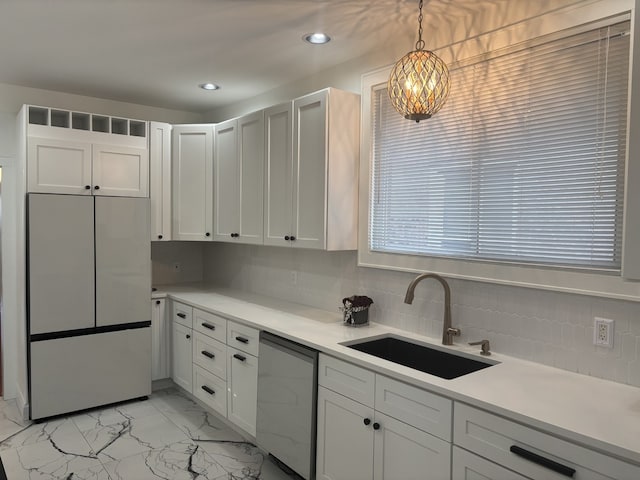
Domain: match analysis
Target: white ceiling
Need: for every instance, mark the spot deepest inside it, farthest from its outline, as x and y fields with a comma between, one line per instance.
x=156, y=52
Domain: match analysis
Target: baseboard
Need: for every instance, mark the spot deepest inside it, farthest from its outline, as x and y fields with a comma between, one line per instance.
x=162, y=384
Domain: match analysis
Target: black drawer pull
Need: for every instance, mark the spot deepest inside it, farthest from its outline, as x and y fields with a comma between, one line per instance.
x=367, y=421
x=208, y=354
x=242, y=339
x=210, y=391
x=157, y=302
x=376, y=426
x=242, y=358
x=208, y=325
x=182, y=315
x=545, y=462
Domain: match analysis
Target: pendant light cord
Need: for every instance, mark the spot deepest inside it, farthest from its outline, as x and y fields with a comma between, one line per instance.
x=420, y=42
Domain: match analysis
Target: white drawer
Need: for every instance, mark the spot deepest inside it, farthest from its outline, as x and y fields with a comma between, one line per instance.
x=349, y=380
x=467, y=466
x=181, y=313
x=243, y=337
x=424, y=410
x=210, y=325
x=210, y=389
x=210, y=354
x=493, y=437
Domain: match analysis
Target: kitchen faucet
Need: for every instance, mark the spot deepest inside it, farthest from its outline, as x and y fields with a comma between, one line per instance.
x=448, y=332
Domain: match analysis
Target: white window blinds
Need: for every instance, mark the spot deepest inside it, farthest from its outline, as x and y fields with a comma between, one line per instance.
x=525, y=163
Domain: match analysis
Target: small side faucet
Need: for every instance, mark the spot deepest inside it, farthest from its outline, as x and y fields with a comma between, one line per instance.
x=448, y=332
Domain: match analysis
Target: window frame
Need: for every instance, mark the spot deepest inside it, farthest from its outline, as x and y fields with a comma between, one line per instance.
x=572, y=280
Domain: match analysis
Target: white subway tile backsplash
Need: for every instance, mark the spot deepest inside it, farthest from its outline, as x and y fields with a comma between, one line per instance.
x=547, y=327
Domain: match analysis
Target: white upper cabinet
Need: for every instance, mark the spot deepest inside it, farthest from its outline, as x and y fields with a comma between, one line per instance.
x=278, y=196
x=160, y=180
x=85, y=154
x=192, y=181
x=120, y=171
x=238, y=179
x=321, y=176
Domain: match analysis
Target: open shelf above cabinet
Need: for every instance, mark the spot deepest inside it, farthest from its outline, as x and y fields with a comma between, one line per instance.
x=58, y=118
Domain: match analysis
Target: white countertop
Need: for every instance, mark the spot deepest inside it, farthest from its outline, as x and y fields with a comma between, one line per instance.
x=597, y=413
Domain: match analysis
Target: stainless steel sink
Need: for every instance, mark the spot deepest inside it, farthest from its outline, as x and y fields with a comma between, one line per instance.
x=428, y=359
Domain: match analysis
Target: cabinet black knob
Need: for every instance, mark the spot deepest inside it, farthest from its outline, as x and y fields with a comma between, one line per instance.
x=286, y=237
x=182, y=315
x=376, y=426
x=87, y=187
x=160, y=237
x=97, y=187
x=242, y=358
x=208, y=354
x=157, y=302
x=207, y=234
x=367, y=421
x=293, y=239
x=188, y=336
x=208, y=325
x=242, y=340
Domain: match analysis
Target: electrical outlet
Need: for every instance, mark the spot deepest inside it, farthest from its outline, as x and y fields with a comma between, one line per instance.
x=177, y=267
x=603, y=332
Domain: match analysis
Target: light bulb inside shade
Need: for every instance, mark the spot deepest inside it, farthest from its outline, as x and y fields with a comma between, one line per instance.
x=209, y=86
x=317, y=38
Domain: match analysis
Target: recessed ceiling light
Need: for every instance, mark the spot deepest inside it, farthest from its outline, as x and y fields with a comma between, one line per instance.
x=317, y=38
x=209, y=86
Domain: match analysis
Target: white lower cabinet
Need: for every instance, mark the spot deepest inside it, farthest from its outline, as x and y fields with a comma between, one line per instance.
x=345, y=442
x=467, y=466
x=160, y=352
x=242, y=389
x=356, y=440
x=217, y=361
x=182, y=361
x=530, y=452
x=211, y=389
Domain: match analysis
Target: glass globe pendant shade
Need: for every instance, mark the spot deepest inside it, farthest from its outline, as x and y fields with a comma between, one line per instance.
x=418, y=85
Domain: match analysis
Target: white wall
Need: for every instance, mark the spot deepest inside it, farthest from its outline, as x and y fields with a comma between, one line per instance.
x=552, y=328
x=165, y=256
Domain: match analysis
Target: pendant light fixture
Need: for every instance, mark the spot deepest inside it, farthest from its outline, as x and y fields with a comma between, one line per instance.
x=419, y=82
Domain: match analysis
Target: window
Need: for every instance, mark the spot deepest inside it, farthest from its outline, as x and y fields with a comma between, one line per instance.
x=524, y=164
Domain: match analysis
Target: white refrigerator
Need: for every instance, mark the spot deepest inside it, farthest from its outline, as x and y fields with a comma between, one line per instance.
x=89, y=314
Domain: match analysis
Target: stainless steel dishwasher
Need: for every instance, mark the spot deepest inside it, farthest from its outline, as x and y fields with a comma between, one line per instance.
x=287, y=403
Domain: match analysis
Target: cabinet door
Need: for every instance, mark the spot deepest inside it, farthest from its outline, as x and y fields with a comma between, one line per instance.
x=278, y=189
x=402, y=451
x=467, y=466
x=181, y=357
x=345, y=442
x=251, y=177
x=242, y=389
x=160, y=180
x=309, y=170
x=57, y=166
x=120, y=171
x=192, y=182
x=159, y=341
x=226, y=189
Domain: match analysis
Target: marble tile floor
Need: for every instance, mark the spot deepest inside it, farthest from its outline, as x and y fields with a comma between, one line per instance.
x=168, y=436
